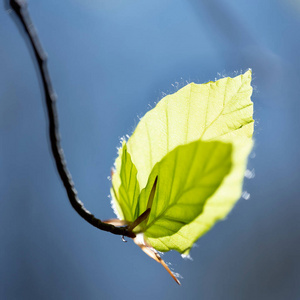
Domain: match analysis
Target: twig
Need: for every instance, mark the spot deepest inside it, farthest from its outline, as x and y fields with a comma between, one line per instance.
x=20, y=8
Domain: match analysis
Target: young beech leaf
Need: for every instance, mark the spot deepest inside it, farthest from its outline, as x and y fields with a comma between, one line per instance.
x=194, y=146
x=129, y=189
x=187, y=177
x=216, y=207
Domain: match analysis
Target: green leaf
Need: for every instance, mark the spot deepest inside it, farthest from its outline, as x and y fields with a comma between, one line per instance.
x=216, y=111
x=215, y=208
x=187, y=177
x=129, y=189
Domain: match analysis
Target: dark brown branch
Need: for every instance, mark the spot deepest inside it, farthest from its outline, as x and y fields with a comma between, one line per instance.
x=20, y=8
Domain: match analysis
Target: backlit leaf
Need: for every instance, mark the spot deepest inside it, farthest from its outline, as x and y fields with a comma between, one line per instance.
x=187, y=177
x=129, y=190
x=217, y=115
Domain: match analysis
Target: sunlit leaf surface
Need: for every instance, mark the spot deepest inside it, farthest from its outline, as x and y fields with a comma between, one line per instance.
x=196, y=141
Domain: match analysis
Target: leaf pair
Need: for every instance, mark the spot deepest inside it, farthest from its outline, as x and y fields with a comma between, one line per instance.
x=186, y=178
x=195, y=144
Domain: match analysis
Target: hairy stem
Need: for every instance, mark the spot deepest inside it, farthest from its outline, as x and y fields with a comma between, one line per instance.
x=20, y=8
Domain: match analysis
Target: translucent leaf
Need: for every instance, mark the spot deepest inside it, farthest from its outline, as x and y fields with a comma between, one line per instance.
x=215, y=111
x=187, y=177
x=129, y=190
x=215, y=208
x=219, y=110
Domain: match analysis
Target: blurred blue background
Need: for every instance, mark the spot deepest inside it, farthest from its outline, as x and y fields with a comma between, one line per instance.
x=110, y=60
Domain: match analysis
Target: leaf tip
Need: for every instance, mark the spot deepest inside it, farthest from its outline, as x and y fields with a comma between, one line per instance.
x=248, y=74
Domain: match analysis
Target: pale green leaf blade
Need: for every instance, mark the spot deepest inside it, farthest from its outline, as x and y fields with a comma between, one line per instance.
x=219, y=110
x=126, y=197
x=216, y=207
x=187, y=177
x=215, y=111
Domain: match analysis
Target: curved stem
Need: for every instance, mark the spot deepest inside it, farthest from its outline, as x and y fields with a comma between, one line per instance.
x=20, y=8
